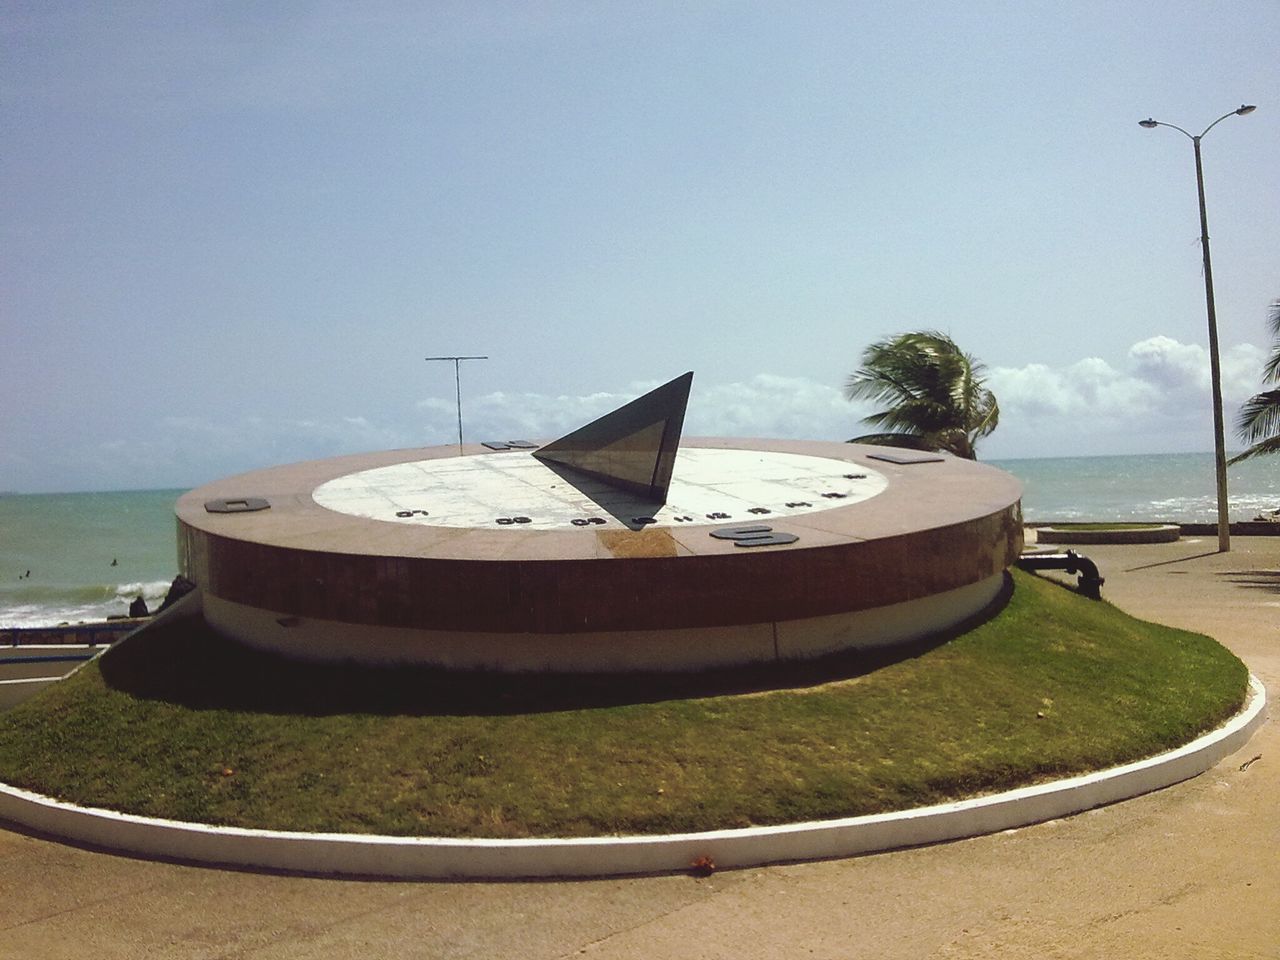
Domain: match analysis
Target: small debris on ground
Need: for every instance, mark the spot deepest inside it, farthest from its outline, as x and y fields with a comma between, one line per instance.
x=702, y=866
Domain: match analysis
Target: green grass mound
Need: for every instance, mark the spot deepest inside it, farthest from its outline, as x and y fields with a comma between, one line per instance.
x=179, y=724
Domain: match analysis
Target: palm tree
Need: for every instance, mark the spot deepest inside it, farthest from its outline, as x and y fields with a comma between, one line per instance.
x=1258, y=423
x=934, y=391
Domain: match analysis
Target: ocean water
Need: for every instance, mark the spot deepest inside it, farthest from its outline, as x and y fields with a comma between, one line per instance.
x=90, y=554
x=1175, y=487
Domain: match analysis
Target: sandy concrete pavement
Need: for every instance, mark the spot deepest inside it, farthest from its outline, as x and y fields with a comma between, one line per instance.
x=1191, y=871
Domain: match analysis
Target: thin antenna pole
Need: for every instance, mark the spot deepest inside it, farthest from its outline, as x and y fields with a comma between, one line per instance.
x=457, y=389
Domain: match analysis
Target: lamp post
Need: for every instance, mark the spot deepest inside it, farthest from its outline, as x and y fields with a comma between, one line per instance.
x=1215, y=372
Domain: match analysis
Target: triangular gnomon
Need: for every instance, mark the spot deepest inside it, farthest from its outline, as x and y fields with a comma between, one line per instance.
x=632, y=448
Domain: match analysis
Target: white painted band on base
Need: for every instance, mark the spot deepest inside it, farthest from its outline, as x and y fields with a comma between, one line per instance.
x=672, y=650
x=443, y=858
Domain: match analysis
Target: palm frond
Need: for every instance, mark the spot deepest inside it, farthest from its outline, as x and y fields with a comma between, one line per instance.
x=1271, y=369
x=989, y=415
x=929, y=388
x=1259, y=417
x=908, y=441
x=1264, y=448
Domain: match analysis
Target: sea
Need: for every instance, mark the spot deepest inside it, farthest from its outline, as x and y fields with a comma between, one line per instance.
x=73, y=557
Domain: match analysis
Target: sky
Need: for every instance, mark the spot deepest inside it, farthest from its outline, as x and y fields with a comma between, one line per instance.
x=231, y=232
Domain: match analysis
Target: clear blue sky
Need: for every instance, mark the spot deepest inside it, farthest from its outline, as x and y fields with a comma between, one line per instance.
x=232, y=231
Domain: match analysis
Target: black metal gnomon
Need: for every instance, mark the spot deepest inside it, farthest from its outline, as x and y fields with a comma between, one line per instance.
x=632, y=448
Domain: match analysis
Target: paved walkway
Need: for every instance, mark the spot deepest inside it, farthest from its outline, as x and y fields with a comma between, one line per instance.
x=1192, y=871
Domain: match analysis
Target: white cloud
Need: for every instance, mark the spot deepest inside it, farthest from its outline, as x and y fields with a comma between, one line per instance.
x=196, y=439
x=766, y=405
x=188, y=450
x=1168, y=364
x=1158, y=369
x=518, y=416
x=1156, y=400
x=774, y=406
x=1087, y=387
x=1242, y=372
x=1159, y=400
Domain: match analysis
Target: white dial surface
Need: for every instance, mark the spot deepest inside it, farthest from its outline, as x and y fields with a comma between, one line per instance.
x=515, y=490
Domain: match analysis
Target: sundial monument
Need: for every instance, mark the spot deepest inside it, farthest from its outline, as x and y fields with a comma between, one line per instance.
x=618, y=547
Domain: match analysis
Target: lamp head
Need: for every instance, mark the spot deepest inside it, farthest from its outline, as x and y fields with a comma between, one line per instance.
x=1148, y=123
x=1246, y=108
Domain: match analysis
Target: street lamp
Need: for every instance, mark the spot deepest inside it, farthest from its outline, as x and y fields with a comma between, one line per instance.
x=1215, y=373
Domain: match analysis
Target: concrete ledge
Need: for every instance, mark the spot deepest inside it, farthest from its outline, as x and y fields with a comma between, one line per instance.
x=1155, y=533
x=435, y=858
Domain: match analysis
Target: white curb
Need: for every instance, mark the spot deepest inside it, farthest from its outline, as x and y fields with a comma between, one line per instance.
x=442, y=858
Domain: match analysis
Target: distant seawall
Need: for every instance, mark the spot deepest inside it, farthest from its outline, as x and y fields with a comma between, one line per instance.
x=1239, y=528
x=87, y=633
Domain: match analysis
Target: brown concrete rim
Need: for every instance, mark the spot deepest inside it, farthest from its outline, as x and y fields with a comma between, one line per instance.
x=914, y=501
x=938, y=526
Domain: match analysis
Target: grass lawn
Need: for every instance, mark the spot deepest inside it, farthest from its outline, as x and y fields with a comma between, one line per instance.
x=182, y=725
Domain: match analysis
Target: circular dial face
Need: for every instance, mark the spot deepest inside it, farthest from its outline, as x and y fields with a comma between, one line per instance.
x=515, y=490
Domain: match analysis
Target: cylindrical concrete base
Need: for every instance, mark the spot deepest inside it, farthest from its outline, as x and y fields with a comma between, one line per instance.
x=495, y=561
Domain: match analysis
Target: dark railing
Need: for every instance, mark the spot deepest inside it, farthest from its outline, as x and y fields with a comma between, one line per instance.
x=1090, y=582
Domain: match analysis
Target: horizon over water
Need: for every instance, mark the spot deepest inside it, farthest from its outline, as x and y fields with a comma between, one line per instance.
x=69, y=540
x=1173, y=487
x=89, y=554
